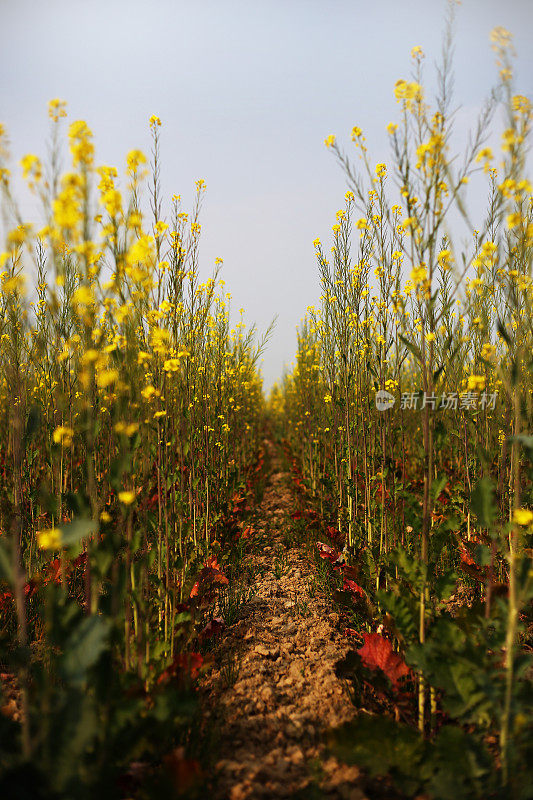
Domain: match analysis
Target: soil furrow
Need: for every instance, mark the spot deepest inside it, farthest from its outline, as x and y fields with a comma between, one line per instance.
x=279, y=693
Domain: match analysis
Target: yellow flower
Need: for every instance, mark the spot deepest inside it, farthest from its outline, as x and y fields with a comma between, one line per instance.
x=484, y=154
x=142, y=357
x=521, y=104
x=18, y=235
x=127, y=498
x=63, y=435
x=107, y=378
x=112, y=201
x=476, y=383
x=381, y=170
x=444, y=259
x=171, y=365
x=159, y=414
x=327, y=398
x=488, y=351
x=83, y=296
x=105, y=517
x=81, y=146
x=57, y=109
x=500, y=37
x=49, y=539
x=141, y=250
x=160, y=228
x=134, y=159
x=127, y=429
x=90, y=356
x=522, y=516
x=419, y=274
x=31, y=164
x=150, y=391
x=154, y=121
x=510, y=139
x=159, y=340
x=392, y=127
x=407, y=92
x=329, y=141
x=14, y=284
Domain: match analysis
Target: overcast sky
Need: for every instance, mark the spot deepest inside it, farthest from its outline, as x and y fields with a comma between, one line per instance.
x=247, y=90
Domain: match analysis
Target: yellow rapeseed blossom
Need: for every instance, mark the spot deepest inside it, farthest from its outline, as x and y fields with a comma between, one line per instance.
x=107, y=378
x=329, y=141
x=403, y=90
x=81, y=145
x=488, y=351
x=476, y=383
x=57, y=109
x=419, y=275
x=112, y=201
x=83, y=295
x=134, y=160
x=49, y=539
x=149, y=392
x=523, y=516
x=141, y=250
x=63, y=435
x=126, y=497
x=31, y=167
x=129, y=429
x=159, y=340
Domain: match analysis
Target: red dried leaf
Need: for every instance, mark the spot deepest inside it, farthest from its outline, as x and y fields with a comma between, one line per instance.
x=377, y=653
x=354, y=588
x=214, y=627
x=185, y=667
x=184, y=772
x=325, y=551
x=351, y=632
x=466, y=556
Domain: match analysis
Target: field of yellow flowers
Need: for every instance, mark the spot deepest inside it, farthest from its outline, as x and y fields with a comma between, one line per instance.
x=131, y=442
x=409, y=410
x=129, y=429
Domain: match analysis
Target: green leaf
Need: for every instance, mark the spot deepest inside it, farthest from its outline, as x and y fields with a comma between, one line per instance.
x=503, y=333
x=411, y=346
x=438, y=485
x=482, y=502
x=382, y=747
x=83, y=649
x=32, y=423
x=74, y=531
x=6, y=569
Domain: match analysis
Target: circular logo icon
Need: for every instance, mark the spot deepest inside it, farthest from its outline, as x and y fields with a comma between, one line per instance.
x=384, y=400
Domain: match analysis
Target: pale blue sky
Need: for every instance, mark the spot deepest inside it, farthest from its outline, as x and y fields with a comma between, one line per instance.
x=247, y=92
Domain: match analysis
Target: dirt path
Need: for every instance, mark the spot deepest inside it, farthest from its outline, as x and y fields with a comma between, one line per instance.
x=283, y=692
